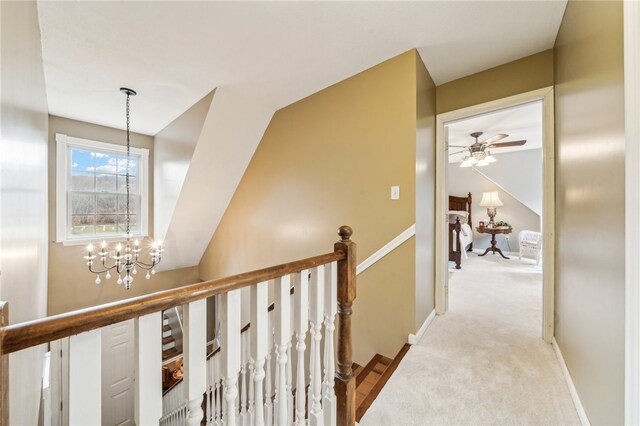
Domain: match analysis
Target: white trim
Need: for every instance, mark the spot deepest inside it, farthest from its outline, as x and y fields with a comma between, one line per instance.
x=415, y=338
x=572, y=389
x=548, y=204
x=632, y=210
x=386, y=249
x=63, y=142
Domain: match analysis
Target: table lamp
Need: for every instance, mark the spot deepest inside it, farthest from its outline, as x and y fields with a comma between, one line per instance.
x=490, y=200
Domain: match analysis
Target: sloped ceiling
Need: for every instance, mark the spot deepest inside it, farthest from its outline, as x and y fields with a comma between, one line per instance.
x=174, y=53
x=519, y=122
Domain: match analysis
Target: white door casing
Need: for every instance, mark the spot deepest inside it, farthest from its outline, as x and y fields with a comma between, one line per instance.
x=632, y=210
x=118, y=358
x=548, y=204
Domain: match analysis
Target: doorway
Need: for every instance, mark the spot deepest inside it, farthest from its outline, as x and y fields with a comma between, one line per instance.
x=545, y=96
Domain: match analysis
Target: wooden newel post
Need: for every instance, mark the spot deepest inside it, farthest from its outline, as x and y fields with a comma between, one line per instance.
x=4, y=367
x=345, y=383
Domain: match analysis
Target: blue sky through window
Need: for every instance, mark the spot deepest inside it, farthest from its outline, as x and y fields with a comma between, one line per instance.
x=83, y=162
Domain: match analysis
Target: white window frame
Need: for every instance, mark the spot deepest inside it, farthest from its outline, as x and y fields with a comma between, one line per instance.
x=63, y=143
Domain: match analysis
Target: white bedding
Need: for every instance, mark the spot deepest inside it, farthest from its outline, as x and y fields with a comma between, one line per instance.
x=466, y=238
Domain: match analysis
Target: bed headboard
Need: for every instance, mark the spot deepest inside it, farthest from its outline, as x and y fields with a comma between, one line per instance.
x=461, y=203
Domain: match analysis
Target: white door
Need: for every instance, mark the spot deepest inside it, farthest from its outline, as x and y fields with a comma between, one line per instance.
x=118, y=397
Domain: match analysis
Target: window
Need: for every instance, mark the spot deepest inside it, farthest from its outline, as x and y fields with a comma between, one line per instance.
x=91, y=191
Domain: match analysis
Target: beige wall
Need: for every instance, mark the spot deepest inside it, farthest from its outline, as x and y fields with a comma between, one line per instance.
x=523, y=75
x=71, y=286
x=590, y=142
x=325, y=161
x=425, y=192
x=23, y=197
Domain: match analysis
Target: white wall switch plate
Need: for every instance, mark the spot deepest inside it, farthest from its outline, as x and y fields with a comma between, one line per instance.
x=395, y=192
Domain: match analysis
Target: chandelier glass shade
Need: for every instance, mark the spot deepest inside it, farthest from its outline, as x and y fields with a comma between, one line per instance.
x=478, y=158
x=124, y=260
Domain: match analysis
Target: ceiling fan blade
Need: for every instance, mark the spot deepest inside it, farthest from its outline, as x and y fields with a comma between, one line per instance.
x=459, y=152
x=458, y=146
x=507, y=144
x=495, y=138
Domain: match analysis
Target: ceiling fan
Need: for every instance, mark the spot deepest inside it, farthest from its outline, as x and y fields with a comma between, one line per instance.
x=479, y=152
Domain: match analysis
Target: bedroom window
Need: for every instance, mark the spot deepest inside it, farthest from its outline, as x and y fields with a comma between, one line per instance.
x=91, y=190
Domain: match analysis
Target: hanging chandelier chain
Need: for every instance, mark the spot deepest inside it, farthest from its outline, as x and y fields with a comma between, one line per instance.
x=128, y=157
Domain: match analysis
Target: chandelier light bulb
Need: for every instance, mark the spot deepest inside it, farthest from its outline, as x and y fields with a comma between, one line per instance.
x=136, y=242
x=119, y=280
x=98, y=279
x=119, y=247
x=147, y=276
x=90, y=248
x=103, y=244
x=108, y=276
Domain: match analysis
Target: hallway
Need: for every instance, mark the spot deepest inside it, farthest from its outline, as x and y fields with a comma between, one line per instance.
x=484, y=362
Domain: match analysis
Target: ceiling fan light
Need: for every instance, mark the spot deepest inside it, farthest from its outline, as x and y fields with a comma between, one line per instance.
x=472, y=160
x=465, y=163
x=482, y=163
x=490, y=159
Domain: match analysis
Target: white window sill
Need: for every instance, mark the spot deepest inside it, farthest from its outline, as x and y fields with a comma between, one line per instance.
x=97, y=239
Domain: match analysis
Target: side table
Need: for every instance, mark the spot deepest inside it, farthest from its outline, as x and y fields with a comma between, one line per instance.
x=493, y=232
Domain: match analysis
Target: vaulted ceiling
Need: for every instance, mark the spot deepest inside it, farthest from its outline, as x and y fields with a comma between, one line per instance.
x=259, y=57
x=176, y=52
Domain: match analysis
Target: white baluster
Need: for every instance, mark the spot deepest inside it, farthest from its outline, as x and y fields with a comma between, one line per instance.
x=300, y=326
x=268, y=379
x=210, y=392
x=276, y=379
x=259, y=332
x=85, y=363
x=218, y=381
x=330, y=311
x=316, y=317
x=195, y=358
x=282, y=287
x=148, y=399
x=290, y=409
x=243, y=378
x=252, y=405
x=230, y=326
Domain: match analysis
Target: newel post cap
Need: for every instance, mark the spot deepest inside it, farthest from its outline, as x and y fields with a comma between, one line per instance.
x=345, y=232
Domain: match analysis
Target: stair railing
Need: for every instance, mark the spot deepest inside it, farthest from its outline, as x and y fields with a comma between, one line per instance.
x=247, y=389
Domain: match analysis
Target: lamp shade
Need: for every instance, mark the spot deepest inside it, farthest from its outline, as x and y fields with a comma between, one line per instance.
x=490, y=199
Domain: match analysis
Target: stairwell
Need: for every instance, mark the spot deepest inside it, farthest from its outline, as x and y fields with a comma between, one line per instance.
x=171, y=335
x=371, y=379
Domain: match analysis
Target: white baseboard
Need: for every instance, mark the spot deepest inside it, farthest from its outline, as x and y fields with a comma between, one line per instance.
x=572, y=389
x=415, y=338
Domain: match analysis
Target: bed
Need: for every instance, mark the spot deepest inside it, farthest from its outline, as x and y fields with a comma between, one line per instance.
x=460, y=228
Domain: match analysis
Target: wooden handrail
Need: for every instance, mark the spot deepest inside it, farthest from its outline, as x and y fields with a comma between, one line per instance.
x=21, y=336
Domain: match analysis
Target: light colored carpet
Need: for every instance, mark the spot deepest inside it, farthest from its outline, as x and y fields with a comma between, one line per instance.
x=484, y=362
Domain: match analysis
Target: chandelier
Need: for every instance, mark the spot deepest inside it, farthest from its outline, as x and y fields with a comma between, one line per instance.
x=125, y=259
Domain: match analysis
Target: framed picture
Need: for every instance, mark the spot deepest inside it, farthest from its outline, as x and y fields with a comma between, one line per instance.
x=481, y=224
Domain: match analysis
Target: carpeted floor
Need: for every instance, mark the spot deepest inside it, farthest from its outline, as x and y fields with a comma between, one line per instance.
x=484, y=362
